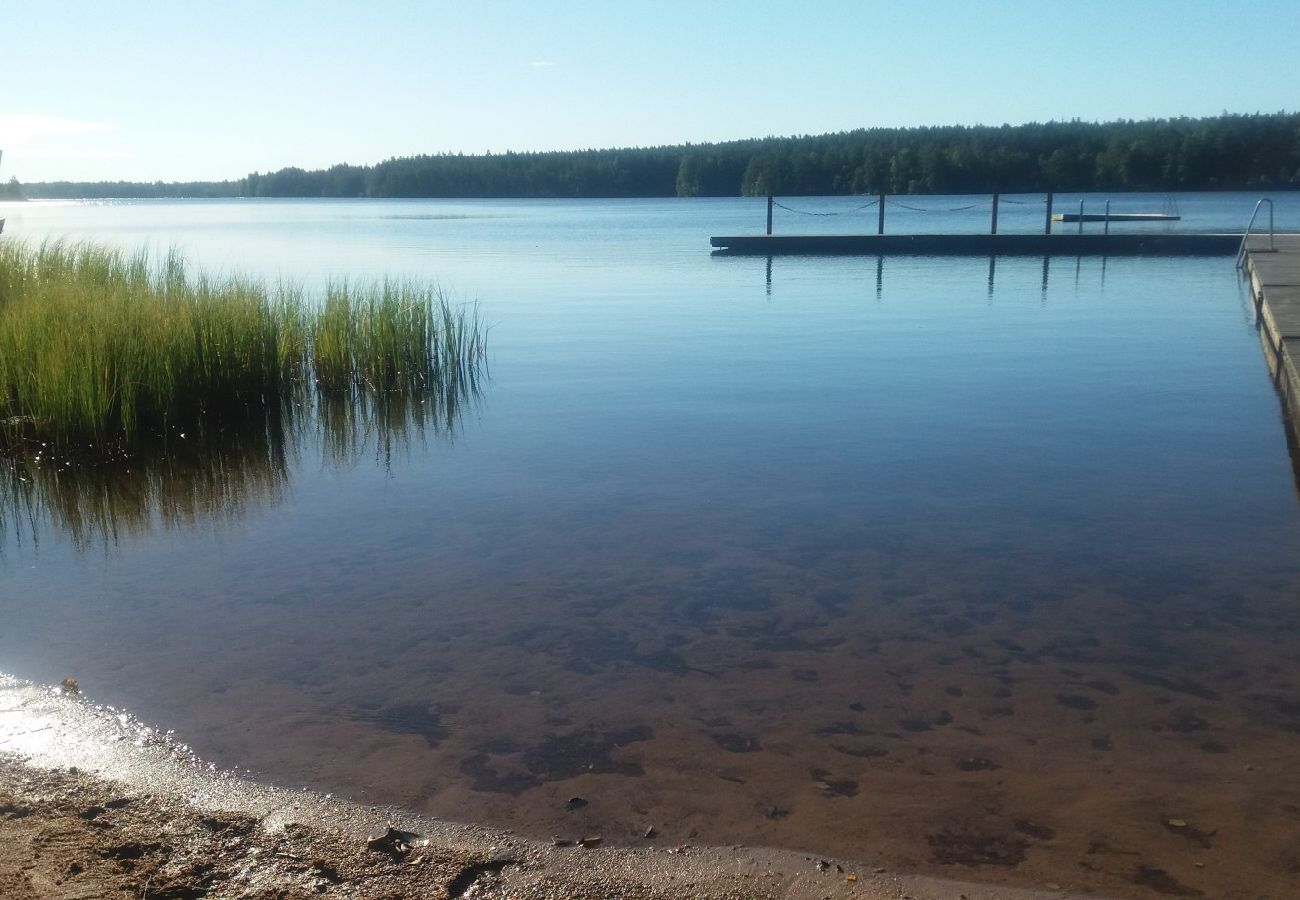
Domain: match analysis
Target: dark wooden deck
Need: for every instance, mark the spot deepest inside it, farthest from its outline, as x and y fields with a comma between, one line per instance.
x=979, y=244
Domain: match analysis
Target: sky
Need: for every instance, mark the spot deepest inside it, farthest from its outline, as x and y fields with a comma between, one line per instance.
x=180, y=90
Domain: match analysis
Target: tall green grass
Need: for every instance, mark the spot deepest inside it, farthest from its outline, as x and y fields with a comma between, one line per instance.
x=393, y=336
x=103, y=352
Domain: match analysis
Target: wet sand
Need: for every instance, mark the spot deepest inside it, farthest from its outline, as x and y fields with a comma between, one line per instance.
x=94, y=804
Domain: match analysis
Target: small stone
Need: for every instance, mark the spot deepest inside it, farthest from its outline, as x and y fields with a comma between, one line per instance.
x=397, y=843
x=589, y=842
x=650, y=832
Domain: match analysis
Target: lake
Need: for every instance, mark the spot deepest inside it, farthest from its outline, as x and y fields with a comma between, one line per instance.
x=981, y=568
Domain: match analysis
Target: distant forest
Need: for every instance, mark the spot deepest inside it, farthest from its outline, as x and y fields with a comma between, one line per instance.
x=1217, y=153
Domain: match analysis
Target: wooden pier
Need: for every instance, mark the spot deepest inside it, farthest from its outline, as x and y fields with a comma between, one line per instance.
x=1170, y=244
x=1275, y=288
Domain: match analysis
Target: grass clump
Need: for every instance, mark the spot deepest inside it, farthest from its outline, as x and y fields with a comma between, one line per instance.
x=393, y=336
x=104, y=352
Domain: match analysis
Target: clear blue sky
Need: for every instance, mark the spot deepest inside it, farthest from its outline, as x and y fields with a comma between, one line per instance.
x=209, y=90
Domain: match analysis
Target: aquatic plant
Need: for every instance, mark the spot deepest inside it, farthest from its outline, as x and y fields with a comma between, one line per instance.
x=104, y=352
x=393, y=335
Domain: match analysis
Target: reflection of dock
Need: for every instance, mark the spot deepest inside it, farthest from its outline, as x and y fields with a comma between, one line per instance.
x=981, y=244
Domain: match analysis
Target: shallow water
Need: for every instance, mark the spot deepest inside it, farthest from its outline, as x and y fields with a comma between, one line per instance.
x=981, y=568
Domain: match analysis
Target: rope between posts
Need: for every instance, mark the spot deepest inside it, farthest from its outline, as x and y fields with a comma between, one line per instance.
x=901, y=205
x=804, y=212
x=953, y=209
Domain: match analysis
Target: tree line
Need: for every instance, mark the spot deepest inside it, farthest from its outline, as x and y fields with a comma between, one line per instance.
x=1223, y=152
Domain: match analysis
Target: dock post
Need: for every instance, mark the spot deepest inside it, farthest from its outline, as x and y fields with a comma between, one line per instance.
x=993, y=227
x=1047, y=223
x=1080, y=217
x=1107, y=229
x=769, y=213
x=880, y=223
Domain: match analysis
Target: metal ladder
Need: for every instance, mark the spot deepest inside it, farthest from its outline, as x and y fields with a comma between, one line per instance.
x=1241, y=251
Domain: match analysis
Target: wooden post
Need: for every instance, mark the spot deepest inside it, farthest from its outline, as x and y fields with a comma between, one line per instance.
x=1080, y=217
x=769, y=213
x=993, y=227
x=880, y=223
x=1047, y=226
x=1107, y=231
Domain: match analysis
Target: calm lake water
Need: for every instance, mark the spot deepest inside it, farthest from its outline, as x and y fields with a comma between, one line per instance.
x=984, y=568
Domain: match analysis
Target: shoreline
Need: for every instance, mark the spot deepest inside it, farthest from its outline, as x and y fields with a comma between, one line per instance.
x=93, y=803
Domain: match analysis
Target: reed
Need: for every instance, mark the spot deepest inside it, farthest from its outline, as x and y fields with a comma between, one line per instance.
x=393, y=336
x=102, y=351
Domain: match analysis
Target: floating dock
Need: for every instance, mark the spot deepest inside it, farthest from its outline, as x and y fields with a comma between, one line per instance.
x=1115, y=217
x=1275, y=287
x=979, y=244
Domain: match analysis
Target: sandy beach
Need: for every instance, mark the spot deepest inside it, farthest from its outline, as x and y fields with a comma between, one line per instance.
x=94, y=804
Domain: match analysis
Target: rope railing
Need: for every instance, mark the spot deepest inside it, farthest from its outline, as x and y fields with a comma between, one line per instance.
x=953, y=209
x=900, y=204
x=882, y=201
x=805, y=212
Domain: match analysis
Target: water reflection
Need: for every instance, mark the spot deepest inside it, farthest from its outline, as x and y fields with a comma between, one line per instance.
x=771, y=266
x=1286, y=400
x=181, y=486
x=1292, y=443
x=357, y=423
x=242, y=469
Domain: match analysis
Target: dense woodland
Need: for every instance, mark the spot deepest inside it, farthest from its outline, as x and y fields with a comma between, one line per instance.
x=1219, y=153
